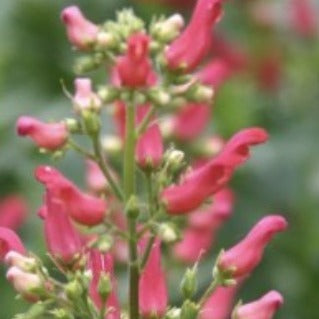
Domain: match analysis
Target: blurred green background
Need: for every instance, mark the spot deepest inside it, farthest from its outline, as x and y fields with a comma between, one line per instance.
x=282, y=176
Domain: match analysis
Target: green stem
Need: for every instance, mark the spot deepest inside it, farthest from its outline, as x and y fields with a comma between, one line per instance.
x=81, y=150
x=100, y=160
x=129, y=190
x=145, y=122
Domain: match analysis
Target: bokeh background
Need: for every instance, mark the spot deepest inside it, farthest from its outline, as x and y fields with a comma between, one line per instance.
x=282, y=176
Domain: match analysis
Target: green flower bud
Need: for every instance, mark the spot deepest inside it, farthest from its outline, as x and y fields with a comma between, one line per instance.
x=61, y=314
x=167, y=233
x=189, y=282
x=189, y=310
x=104, y=286
x=91, y=121
x=73, y=125
x=159, y=96
x=174, y=313
x=132, y=207
x=108, y=94
x=73, y=290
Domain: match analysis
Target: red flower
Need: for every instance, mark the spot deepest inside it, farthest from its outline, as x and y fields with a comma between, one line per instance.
x=9, y=241
x=149, y=147
x=191, y=120
x=219, y=304
x=81, y=32
x=134, y=68
x=13, y=211
x=153, y=295
x=211, y=177
x=103, y=263
x=203, y=226
x=246, y=255
x=192, y=45
x=63, y=241
x=51, y=136
x=263, y=308
x=83, y=208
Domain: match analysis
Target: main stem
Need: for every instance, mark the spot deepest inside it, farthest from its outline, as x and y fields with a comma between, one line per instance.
x=129, y=190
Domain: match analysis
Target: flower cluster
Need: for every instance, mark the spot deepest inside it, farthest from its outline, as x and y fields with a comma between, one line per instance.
x=160, y=94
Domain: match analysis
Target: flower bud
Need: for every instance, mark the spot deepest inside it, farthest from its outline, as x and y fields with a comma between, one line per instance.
x=84, y=98
x=27, y=284
x=189, y=310
x=167, y=233
x=167, y=30
x=132, y=207
x=104, y=286
x=14, y=258
x=81, y=32
x=92, y=122
x=51, y=136
x=189, y=282
x=173, y=313
x=201, y=94
x=108, y=94
x=175, y=159
x=112, y=144
x=73, y=290
x=241, y=259
x=263, y=308
x=159, y=97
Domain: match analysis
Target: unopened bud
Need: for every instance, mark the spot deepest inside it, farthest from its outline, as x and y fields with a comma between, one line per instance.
x=104, y=243
x=27, y=284
x=73, y=290
x=167, y=30
x=167, y=233
x=61, y=314
x=85, y=64
x=189, y=282
x=104, y=286
x=173, y=313
x=189, y=310
x=73, y=125
x=201, y=93
x=132, y=207
x=108, y=94
x=13, y=258
x=112, y=144
x=159, y=97
x=175, y=159
x=91, y=122
x=105, y=40
x=166, y=126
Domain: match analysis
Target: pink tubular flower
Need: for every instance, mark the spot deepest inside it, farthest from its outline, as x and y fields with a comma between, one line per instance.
x=149, y=147
x=194, y=244
x=304, y=17
x=51, y=136
x=13, y=211
x=103, y=263
x=9, y=241
x=211, y=177
x=246, y=255
x=84, y=97
x=191, y=120
x=63, y=241
x=203, y=226
x=95, y=179
x=263, y=308
x=80, y=31
x=153, y=295
x=192, y=45
x=83, y=208
x=134, y=68
x=219, y=304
